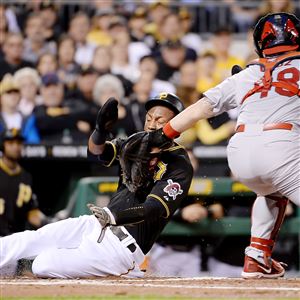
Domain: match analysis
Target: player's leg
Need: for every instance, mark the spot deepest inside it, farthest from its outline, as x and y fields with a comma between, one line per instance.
x=267, y=216
x=28, y=244
x=110, y=257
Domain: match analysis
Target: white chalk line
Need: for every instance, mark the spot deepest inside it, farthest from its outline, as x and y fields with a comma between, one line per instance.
x=123, y=284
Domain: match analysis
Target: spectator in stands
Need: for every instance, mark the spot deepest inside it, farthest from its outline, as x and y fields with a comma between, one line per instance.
x=12, y=58
x=186, y=86
x=243, y=16
x=221, y=47
x=121, y=36
x=67, y=68
x=10, y=98
x=108, y=86
x=46, y=64
x=101, y=63
x=170, y=28
x=35, y=43
x=99, y=33
x=120, y=64
x=136, y=107
x=10, y=116
x=207, y=75
x=3, y=26
x=149, y=65
x=102, y=59
x=275, y=6
x=158, y=10
x=59, y=120
x=85, y=83
x=111, y=86
x=117, y=26
x=78, y=31
x=137, y=23
x=48, y=12
x=189, y=39
x=28, y=81
x=173, y=55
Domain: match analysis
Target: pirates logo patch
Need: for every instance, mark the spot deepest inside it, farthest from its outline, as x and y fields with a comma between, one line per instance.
x=173, y=189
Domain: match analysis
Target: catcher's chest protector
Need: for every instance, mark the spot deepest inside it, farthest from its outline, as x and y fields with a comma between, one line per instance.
x=265, y=83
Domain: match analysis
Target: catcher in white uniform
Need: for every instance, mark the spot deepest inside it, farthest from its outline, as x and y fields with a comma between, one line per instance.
x=264, y=153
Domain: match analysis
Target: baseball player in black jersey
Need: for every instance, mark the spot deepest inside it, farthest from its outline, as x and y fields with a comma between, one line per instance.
x=115, y=239
x=18, y=205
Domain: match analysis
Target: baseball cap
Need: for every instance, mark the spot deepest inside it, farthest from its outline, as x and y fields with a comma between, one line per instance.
x=12, y=134
x=168, y=100
x=8, y=85
x=50, y=79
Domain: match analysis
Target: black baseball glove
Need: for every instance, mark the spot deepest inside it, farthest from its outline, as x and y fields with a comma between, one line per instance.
x=107, y=116
x=137, y=162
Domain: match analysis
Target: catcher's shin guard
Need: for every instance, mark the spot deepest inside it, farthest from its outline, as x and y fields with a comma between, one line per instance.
x=267, y=216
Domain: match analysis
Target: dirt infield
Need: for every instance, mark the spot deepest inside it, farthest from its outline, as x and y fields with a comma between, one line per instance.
x=179, y=287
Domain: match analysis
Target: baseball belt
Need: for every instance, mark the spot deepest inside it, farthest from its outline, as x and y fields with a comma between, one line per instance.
x=118, y=232
x=266, y=127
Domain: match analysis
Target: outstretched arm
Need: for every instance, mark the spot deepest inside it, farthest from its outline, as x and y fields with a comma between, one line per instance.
x=202, y=109
x=162, y=138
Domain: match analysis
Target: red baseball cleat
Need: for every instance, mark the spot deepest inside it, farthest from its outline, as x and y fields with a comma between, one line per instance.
x=254, y=269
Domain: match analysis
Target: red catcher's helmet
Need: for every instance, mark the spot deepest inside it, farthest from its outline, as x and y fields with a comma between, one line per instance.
x=277, y=33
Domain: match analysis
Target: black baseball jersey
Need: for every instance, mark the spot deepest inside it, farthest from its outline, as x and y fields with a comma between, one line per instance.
x=16, y=199
x=168, y=187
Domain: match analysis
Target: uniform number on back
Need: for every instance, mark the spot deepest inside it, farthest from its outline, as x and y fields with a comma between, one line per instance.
x=290, y=76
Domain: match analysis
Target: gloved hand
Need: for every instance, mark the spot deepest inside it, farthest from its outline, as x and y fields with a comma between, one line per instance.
x=107, y=116
x=135, y=161
x=158, y=139
x=103, y=215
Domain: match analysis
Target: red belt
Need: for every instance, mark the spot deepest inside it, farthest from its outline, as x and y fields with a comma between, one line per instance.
x=271, y=126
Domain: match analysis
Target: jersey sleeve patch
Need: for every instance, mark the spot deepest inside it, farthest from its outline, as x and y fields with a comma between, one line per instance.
x=173, y=189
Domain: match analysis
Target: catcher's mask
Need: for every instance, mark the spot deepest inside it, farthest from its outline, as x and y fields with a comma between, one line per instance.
x=168, y=100
x=277, y=33
x=10, y=135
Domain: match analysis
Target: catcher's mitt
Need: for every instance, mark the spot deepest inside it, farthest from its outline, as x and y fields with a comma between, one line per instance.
x=136, y=161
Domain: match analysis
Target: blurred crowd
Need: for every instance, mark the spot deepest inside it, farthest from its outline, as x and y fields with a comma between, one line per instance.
x=60, y=62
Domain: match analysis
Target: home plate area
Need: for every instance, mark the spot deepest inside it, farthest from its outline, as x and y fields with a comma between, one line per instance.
x=198, y=288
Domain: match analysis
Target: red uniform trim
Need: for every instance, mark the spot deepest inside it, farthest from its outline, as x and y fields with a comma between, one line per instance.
x=266, y=127
x=170, y=132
